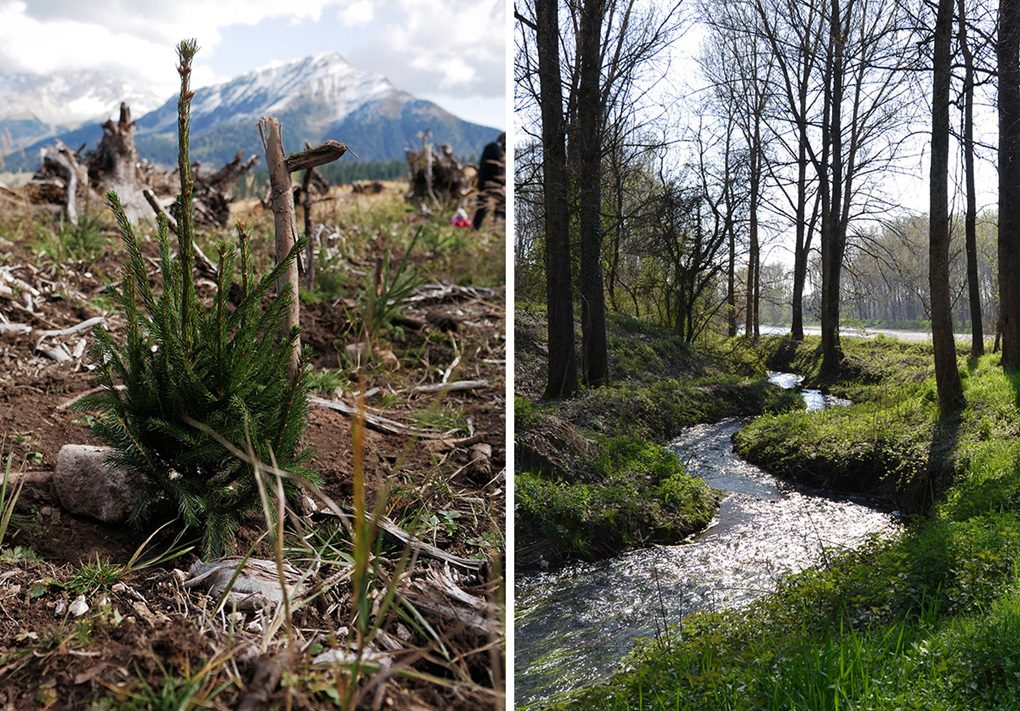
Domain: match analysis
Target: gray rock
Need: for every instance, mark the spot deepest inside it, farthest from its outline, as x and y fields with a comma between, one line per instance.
x=85, y=484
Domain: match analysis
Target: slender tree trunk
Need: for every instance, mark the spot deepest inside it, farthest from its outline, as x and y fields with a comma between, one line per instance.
x=832, y=253
x=751, y=315
x=947, y=376
x=977, y=338
x=562, y=376
x=594, y=350
x=731, y=240
x=614, y=263
x=800, y=253
x=1007, y=50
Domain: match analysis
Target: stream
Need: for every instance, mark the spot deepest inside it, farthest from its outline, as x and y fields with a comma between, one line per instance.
x=573, y=625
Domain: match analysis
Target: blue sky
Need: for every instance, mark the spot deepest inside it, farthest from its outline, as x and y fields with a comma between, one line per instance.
x=449, y=51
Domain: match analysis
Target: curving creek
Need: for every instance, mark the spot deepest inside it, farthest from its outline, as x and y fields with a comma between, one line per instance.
x=573, y=625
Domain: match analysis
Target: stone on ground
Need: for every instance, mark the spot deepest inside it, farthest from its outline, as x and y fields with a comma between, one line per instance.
x=86, y=485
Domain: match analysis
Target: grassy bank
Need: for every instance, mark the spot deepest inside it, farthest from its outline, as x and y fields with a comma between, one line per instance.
x=594, y=478
x=930, y=620
x=886, y=445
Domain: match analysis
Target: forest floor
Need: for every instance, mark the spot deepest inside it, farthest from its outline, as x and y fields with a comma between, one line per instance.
x=927, y=620
x=594, y=478
x=147, y=640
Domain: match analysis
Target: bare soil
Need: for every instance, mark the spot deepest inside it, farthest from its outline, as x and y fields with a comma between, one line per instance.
x=147, y=632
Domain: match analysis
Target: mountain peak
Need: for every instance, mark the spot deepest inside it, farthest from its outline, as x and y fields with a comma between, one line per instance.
x=316, y=97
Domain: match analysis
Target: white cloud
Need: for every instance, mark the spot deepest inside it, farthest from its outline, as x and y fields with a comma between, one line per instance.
x=456, y=45
x=134, y=37
x=357, y=13
x=445, y=50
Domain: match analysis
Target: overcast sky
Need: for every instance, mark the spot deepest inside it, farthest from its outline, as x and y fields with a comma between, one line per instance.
x=448, y=51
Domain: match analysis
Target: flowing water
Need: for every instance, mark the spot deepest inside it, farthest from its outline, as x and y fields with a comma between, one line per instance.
x=573, y=625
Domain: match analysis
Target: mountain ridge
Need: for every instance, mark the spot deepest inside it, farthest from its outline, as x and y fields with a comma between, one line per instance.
x=316, y=98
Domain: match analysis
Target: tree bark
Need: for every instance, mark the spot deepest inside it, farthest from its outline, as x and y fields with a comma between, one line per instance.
x=731, y=239
x=754, y=259
x=832, y=233
x=803, y=238
x=1007, y=50
x=282, y=194
x=594, y=349
x=977, y=338
x=947, y=376
x=562, y=371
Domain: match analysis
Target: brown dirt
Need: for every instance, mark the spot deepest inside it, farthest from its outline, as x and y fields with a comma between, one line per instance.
x=52, y=661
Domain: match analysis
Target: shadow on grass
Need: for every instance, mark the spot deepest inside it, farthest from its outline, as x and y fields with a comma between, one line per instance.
x=939, y=474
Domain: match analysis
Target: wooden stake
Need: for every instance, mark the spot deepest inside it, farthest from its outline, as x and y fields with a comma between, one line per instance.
x=282, y=196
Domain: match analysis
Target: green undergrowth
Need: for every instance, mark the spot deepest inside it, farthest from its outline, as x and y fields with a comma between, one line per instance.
x=927, y=620
x=637, y=493
x=888, y=444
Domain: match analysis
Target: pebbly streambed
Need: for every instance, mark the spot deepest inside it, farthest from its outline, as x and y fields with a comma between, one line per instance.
x=573, y=625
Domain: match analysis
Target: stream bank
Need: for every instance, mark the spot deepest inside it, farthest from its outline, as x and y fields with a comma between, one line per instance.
x=573, y=625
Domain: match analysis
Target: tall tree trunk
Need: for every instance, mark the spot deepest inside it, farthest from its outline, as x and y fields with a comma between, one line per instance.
x=832, y=252
x=947, y=376
x=977, y=338
x=562, y=376
x=731, y=240
x=751, y=316
x=1007, y=50
x=594, y=350
x=803, y=238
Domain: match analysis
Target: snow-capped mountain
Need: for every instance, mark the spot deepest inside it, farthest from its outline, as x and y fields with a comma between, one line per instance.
x=34, y=107
x=322, y=88
x=68, y=98
x=315, y=98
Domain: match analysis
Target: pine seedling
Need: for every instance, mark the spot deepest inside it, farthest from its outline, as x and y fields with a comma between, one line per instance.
x=185, y=360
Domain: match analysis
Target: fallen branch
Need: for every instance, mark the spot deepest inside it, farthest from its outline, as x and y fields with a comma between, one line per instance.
x=415, y=544
x=450, y=387
x=15, y=328
x=376, y=422
x=150, y=197
x=68, y=404
x=86, y=324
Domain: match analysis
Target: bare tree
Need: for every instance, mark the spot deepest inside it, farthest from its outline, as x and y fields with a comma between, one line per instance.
x=739, y=66
x=1008, y=55
x=947, y=375
x=588, y=140
x=793, y=30
x=977, y=339
x=562, y=376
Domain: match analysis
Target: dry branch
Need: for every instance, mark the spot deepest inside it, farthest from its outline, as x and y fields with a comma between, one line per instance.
x=203, y=261
x=375, y=422
x=415, y=544
x=314, y=157
x=450, y=387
